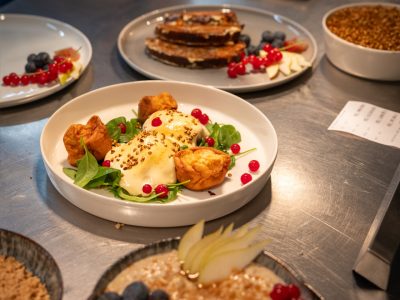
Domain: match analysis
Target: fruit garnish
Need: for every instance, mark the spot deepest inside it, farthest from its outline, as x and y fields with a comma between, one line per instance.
x=254, y=165
x=246, y=178
x=70, y=53
x=295, y=45
x=216, y=255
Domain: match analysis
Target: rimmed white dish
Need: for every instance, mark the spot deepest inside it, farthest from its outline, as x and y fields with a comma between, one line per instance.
x=22, y=35
x=119, y=100
x=359, y=60
x=132, y=38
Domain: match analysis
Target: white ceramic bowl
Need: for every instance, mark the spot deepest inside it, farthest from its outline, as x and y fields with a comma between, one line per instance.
x=358, y=60
x=119, y=100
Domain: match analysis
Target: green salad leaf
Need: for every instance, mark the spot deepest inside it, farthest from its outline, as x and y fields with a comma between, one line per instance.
x=87, y=168
x=224, y=136
x=114, y=130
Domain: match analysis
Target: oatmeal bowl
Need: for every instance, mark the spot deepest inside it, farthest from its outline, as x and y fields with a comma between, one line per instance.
x=363, y=39
x=225, y=264
x=27, y=270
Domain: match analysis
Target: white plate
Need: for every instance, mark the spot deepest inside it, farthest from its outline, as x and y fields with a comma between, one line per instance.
x=22, y=35
x=132, y=38
x=119, y=100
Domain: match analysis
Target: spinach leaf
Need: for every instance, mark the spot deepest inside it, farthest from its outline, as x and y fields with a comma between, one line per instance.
x=87, y=168
x=105, y=177
x=228, y=135
x=233, y=162
x=114, y=131
x=71, y=173
x=126, y=196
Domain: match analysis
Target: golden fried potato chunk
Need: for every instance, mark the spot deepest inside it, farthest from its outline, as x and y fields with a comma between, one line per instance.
x=205, y=167
x=151, y=104
x=95, y=136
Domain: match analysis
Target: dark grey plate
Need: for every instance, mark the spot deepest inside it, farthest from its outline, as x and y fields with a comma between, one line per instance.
x=265, y=259
x=35, y=258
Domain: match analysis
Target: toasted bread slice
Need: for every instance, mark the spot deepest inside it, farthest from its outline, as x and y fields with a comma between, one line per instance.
x=193, y=57
x=200, y=28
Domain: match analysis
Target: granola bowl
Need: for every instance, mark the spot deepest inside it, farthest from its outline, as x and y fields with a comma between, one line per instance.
x=374, y=55
x=21, y=250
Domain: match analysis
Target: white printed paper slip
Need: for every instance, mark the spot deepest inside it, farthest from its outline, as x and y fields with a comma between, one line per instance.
x=370, y=122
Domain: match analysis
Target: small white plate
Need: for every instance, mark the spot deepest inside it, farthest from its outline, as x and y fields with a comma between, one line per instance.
x=119, y=100
x=131, y=45
x=22, y=35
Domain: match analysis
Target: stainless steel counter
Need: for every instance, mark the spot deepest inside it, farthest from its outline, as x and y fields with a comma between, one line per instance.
x=325, y=188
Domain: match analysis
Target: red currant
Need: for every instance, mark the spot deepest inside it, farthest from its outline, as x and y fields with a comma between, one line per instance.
x=257, y=63
x=122, y=127
x=33, y=78
x=210, y=141
x=250, y=58
x=278, y=56
x=53, y=74
x=235, y=148
x=232, y=72
x=204, y=119
x=68, y=65
x=53, y=67
x=42, y=78
x=147, y=189
x=268, y=47
x=14, y=79
x=63, y=67
x=163, y=190
x=232, y=64
x=25, y=79
x=106, y=163
x=156, y=122
x=279, y=292
x=266, y=62
x=245, y=178
x=240, y=69
x=293, y=291
x=196, y=112
x=254, y=165
x=242, y=55
x=59, y=59
x=6, y=80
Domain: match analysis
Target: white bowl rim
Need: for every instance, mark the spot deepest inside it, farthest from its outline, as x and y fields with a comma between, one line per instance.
x=107, y=199
x=362, y=48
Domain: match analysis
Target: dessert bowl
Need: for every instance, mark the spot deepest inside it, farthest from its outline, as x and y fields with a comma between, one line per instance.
x=358, y=60
x=264, y=259
x=35, y=259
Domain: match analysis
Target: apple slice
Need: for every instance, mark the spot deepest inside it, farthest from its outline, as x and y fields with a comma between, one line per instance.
x=302, y=61
x=295, y=67
x=199, y=246
x=191, y=237
x=201, y=257
x=222, y=265
x=235, y=243
x=286, y=61
x=273, y=71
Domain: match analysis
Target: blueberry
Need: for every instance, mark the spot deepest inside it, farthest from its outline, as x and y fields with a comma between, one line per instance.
x=245, y=39
x=136, y=291
x=30, y=67
x=277, y=43
x=109, y=296
x=31, y=57
x=267, y=36
x=159, y=295
x=42, y=59
x=251, y=50
x=279, y=35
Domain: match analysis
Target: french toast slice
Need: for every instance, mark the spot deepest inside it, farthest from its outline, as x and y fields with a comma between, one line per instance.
x=193, y=57
x=200, y=28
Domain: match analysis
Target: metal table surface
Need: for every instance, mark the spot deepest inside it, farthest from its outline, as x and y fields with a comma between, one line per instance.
x=324, y=191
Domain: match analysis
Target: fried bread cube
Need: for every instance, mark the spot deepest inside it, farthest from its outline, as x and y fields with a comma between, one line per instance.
x=151, y=104
x=94, y=135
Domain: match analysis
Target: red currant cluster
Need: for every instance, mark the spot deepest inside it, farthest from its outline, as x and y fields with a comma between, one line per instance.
x=254, y=165
x=285, y=292
x=258, y=63
x=198, y=114
x=161, y=189
x=59, y=65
